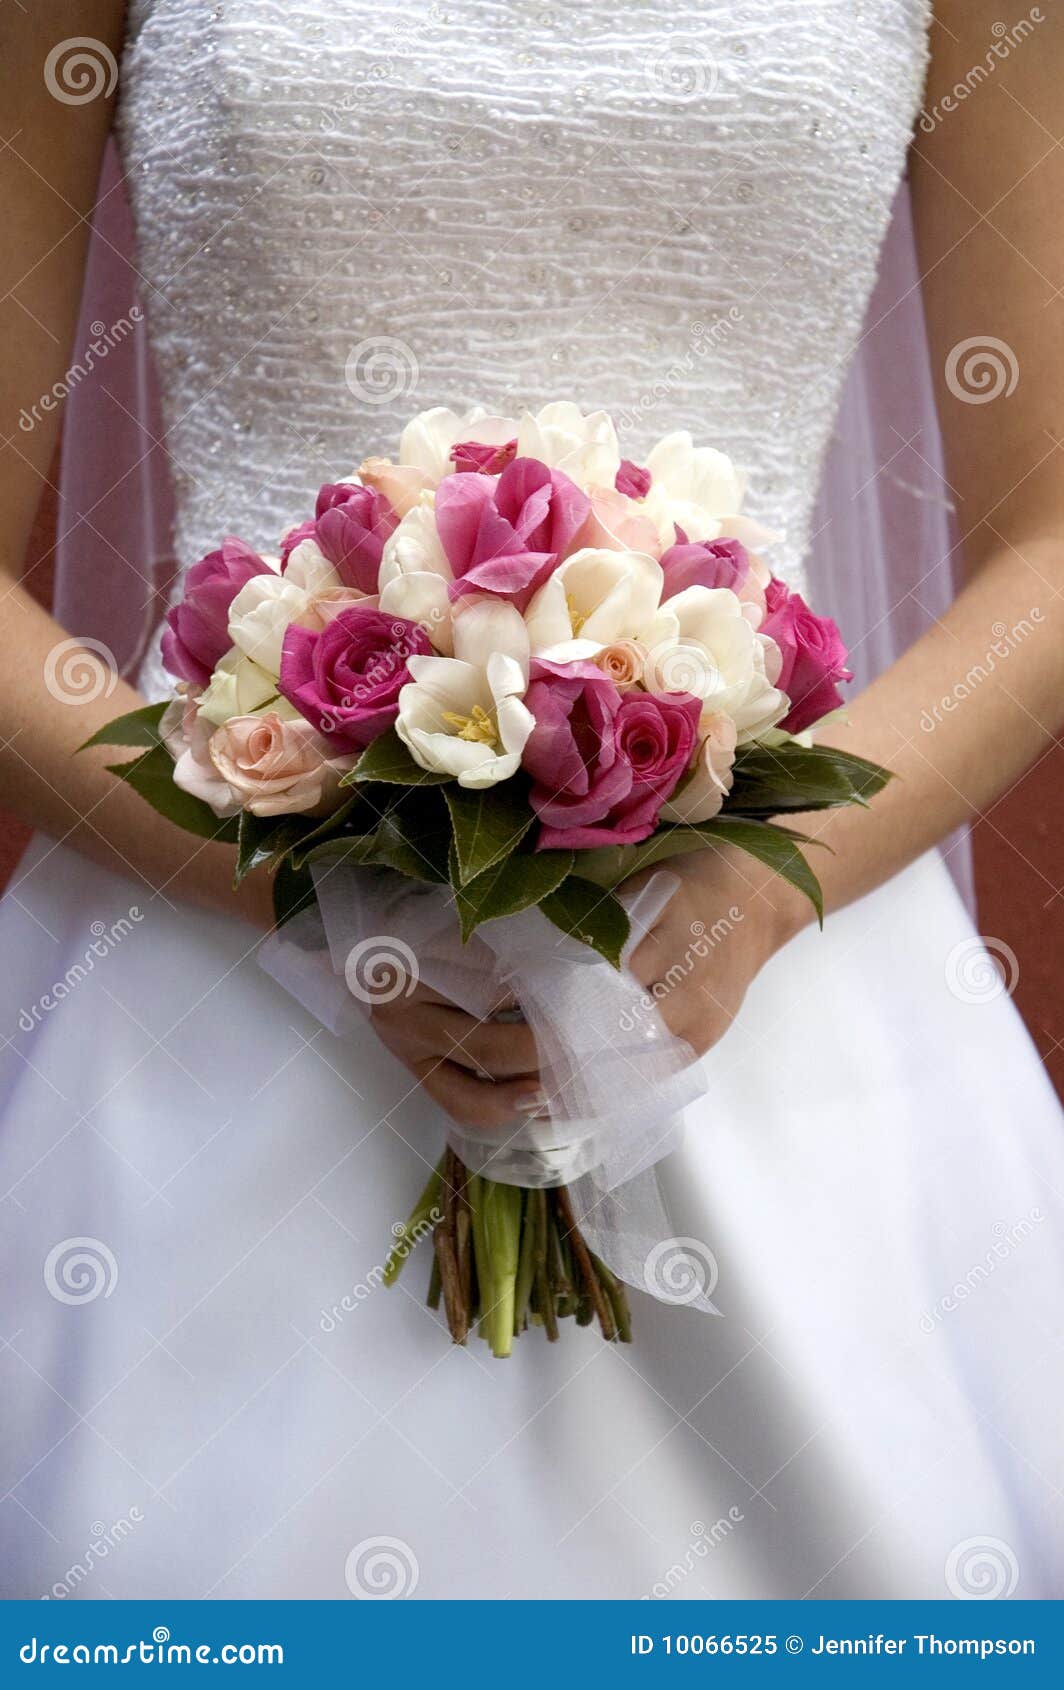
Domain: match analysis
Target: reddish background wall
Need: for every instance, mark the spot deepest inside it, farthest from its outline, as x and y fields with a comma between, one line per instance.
x=1018, y=862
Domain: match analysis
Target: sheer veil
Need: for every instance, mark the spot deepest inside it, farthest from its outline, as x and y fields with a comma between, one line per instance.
x=882, y=556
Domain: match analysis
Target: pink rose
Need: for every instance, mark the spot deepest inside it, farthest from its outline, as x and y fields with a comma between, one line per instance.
x=602, y=765
x=277, y=768
x=813, y=657
x=506, y=536
x=346, y=678
x=469, y=456
x=616, y=524
x=632, y=479
x=197, y=629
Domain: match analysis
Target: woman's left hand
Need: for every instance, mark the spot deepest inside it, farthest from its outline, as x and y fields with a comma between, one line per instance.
x=728, y=916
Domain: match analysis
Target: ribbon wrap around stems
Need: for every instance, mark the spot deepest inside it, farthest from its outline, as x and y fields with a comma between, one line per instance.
x=617, y=1081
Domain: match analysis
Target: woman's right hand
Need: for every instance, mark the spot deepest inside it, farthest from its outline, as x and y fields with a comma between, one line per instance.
x=482, y=1073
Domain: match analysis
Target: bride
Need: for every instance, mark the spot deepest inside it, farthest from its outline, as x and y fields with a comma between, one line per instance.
x=675, y=214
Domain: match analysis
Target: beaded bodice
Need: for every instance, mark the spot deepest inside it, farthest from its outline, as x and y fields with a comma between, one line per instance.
x=347, y=212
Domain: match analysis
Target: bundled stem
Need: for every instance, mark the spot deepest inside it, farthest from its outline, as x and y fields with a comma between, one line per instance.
x=504, y=1257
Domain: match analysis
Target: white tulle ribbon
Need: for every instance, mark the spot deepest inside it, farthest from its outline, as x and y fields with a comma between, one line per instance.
x=616, y=1080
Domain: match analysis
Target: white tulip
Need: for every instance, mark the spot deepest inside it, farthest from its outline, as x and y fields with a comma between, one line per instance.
x=463, y=715
x=414, y=575
x=699, y=490
x=593, y=598
x=584, y=447
x=238, y=687
x=428, y=439
x=265, y=605
x=700, y=642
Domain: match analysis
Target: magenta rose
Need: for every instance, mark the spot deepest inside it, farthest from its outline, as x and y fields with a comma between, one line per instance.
x=506, y=536
x=704, y=563
x=197, y=629
x=814, y=657
x=350, y=527
x=632, y=479
x=470, y=456
x=571, y=752
x=602, y=765
x=345, y=678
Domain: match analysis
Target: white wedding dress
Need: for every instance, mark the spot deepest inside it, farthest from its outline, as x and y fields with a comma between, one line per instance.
x=675, y=212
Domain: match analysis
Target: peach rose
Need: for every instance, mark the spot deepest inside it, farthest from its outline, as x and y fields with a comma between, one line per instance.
x=186, y=735
x=622, y=661
x=401, y=484
x=275, y=767
x=616, y=523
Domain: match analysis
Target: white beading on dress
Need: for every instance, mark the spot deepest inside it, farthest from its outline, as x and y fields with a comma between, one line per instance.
x=346, y=213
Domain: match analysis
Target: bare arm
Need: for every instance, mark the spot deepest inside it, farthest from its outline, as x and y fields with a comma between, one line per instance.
x=48, y=177
x=988, y=182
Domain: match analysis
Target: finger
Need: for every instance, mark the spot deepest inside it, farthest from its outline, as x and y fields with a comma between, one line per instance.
x=653, y=956
x=501, y=1050
x=480, y=1103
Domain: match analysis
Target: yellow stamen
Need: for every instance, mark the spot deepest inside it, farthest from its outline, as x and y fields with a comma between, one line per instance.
x=479, y=726
x=576, y=618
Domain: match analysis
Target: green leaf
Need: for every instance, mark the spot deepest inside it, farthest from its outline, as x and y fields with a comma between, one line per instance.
x=152, y=776
x=325, y=830
x=138, y=727
x=264, y=839
x=776, y=847
x=412, y=837
x=768, y=780
x=293, y=891
x=585, y=912
x=387, y=759
x=488, y=825
x=523, y=879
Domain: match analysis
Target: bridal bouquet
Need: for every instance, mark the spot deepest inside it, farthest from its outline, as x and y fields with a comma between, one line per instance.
x=474, y=693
